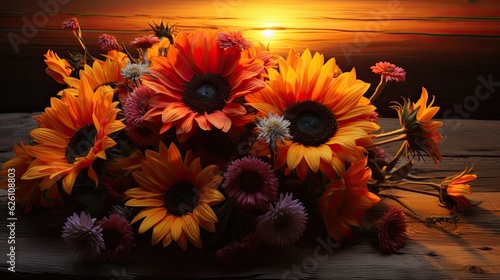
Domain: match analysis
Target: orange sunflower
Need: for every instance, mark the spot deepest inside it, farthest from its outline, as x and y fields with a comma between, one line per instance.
x=201, y=85
x=422, y=134
x=72, y=134
x=105, y=74
x=177, y=195
x=59, y=69
x=454, y=188
x=344, y=202
x=28, y=193
x=327, y=112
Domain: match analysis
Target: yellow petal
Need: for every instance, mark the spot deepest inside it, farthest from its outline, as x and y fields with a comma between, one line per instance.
x=192, y=230
x=177, y=228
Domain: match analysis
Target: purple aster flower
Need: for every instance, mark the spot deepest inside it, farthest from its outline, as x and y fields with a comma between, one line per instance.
x=284, y=223
x=83, y=236
x=118, y=238
x=250, y=183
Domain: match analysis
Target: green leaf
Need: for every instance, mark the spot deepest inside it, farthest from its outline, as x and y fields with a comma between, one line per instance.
x=402, y=172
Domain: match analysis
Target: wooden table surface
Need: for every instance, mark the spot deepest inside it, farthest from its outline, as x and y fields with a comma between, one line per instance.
x=469, y=249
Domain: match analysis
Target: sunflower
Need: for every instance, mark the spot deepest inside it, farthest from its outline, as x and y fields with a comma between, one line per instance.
x=201, y=85
x=422, y=134
x=454, y=188
x=28, y=193
x=344, y=202
x=105, y=74
x=72, y=134
x=327, y=112
x=57, y=68
x=177, y=195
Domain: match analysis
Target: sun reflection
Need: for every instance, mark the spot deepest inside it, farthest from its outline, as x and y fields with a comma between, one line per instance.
x=268, y=33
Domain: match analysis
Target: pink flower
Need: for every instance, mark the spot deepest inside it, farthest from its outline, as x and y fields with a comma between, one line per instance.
x=250, y=183
x=392, y=230
x=137, y=104
x=240, y=252
x=145, y=42
x=389, y=71
x=70, y=25
x=373, y=117
x=381, y=154
x=284, y=223
x=118, y=238
x=228, y=39
x=108, y=43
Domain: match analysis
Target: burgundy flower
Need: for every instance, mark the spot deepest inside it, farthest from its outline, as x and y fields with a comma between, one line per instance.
x=71, y=24
x=250, y=183
x=240, y=252
x=392, y=230
x=118, y=238
x=108, y=43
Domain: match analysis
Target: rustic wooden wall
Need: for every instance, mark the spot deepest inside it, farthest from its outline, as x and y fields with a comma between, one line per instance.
x=448, y=46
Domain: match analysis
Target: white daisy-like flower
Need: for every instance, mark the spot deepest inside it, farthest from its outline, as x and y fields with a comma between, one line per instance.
x=135, y=71
x=273, y=128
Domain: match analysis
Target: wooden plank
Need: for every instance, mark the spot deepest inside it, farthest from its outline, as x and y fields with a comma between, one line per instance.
x=467, y=249
x=443, y=252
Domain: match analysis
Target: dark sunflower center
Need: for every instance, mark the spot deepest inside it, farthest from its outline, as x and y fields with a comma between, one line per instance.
x=206, y=93
x=80, y=144
x=112, y=238
x=250, y=182
x=311, y=123
x=181, y=199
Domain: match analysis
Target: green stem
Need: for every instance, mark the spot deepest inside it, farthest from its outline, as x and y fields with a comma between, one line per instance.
x=408, y=189
x=379, y=88
x=434, y=185
x=391, y=133
x=395, y=139
x=403, y=204
x=393, y=162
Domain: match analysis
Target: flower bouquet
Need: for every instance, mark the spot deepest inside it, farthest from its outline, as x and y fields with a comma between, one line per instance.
x=202, y=139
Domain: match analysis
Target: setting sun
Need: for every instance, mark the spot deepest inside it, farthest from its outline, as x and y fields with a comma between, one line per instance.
x=268, y=33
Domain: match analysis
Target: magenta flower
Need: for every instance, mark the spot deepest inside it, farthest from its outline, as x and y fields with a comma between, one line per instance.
x=118, y=238
x=392, y=230
x=240, y=252
x=228, y=39
x=83, y=236
x=137, y=104
x=71, y=24
x=389, y=71
x=145, y=42
x=250, y=183
x=284, y=223
x=108, y=43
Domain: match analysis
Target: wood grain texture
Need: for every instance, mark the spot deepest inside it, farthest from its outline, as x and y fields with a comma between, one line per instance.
x=467, y=249
x=443, y=45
